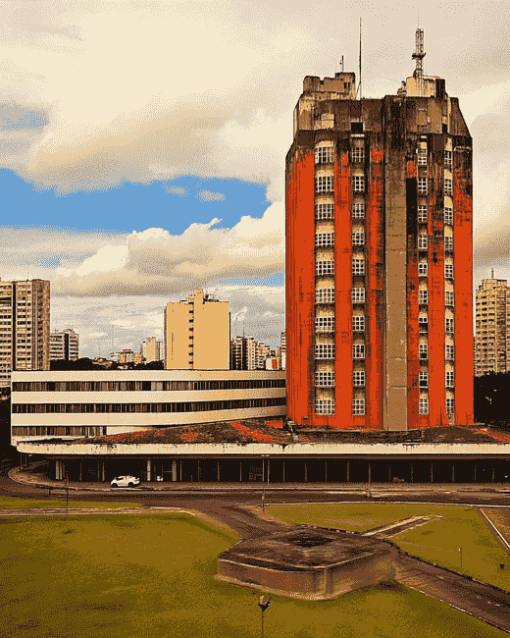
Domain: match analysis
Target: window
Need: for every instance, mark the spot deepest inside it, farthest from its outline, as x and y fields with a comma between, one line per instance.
x=423, y=406
x=323, y=240
x=358, y=323
x=448, y=186
x=422, y=185
x=358, y=407
x=448, y=243
x=358, y=211
x=324, y=324
x=423, y=297
x=325, y=267
x=423, y=242
x=358, y=295
x=325, y=406
x=450, y=379
x=423, y=379
x=324, y=211
x=448, y=271
x=358, y=154
x=423, y=214
x=325, y=295
x=359, y=183
x=358, y=266
x=324, y=155
x=449, y=352
x=358, y=378
x=324, y=379
x=324, y=184
x=422, y=157
x=448, y=215
x=358, y=351
x=448, y=158
x=423, y=350
x=449, y=298
x=423, y=269
x=449, y=326
x=450, y=406
x=324, y=350
x=423, y=323
x=358, y=238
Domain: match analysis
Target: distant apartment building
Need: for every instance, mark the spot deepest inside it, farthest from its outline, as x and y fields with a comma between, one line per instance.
x=64, y=345
x=283, y=346
x=197, y=333
x=24, y=327
x=150, y=349
x=492, y=350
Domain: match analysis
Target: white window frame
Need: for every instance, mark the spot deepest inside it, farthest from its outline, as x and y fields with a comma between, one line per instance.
x=448, y=158
x=324, y=184
x=324, y=295
x=324, y=155
x=358, y=266
x=449, y=325
x=358, y=323
x=422, y=157
x=325, y=407
x=448, y=243
x=448, y=215
x=448, y=186
x=358, y=238
x=358, y=351
x=324, y=351
x=423, y=242
x=423, y=379
x=423, y=214
x=358, y=183
x=423, y=297
x=448, y=271
x=422, y=186
x=324, y=211
x=324, y=379
x=423, y=351
x=358, y=295
x=449, y=352
x=357, y=154
x=324, y=267
x=324, y=240
x=423, y=406
x=450, y=379
x=358, y=407
x=423, y=269
x=449, y=298
x=450, y=405
x=324, y=324
x=359, y=378
x=358, y=211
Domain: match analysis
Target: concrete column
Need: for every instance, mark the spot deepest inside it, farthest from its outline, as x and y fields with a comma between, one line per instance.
x=218, y=471
x=283, y=470
x=348, y=480
x=325, y=471
x=174, y=470
x=98, y=471
x=81, y=471
x=103, y=474
x=431, y=472
x=180, y=470
x=268, y=469
x=57, y=469
x=453, y=472
x=240, y=471
x=149, y=472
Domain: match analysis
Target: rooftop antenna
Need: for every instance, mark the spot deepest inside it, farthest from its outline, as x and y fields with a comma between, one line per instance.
x=359, y=85
x=342, y=63
x=419, y=54
x=492, y=274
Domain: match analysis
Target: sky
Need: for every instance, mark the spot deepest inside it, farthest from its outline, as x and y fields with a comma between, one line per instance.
x=143, y=143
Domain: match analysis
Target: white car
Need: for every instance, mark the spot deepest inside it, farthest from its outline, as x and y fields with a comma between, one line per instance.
x=125, y=481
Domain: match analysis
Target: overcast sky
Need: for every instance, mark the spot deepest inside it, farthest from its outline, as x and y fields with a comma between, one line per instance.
x=142, y=143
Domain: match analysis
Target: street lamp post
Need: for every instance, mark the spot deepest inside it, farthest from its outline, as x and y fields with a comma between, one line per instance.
x=263, y=608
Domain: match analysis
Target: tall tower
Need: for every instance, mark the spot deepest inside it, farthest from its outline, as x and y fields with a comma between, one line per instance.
x=492, y=327
x=378, y=204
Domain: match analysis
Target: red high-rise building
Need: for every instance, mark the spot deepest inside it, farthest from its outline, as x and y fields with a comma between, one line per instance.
x=379, y=257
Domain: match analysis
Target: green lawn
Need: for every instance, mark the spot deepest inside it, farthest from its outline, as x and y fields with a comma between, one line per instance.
x=9, y=502
x=438, y=541
x=152, y=577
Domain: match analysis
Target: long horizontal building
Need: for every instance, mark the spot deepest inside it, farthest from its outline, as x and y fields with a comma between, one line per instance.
x=91, y=403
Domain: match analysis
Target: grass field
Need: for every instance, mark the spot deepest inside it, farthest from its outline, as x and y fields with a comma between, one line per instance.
x=438, y=541
x=152, y=577
x=9, y=502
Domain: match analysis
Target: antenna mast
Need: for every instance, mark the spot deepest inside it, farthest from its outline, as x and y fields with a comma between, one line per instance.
x=419, y=54
x=360, y=89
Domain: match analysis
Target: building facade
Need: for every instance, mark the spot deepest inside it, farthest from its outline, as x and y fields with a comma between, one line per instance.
x=24, y=327
x=197, y=333
x=64, y=345
x=379, y=273
x=492, y=347
x=91, y=403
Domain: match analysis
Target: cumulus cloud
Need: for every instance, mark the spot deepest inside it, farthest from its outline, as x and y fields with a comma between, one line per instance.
x=156, y=262
x=175, y=190
x=208, y=196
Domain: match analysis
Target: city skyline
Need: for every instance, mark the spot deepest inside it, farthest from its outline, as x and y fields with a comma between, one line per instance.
x=120, y=231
